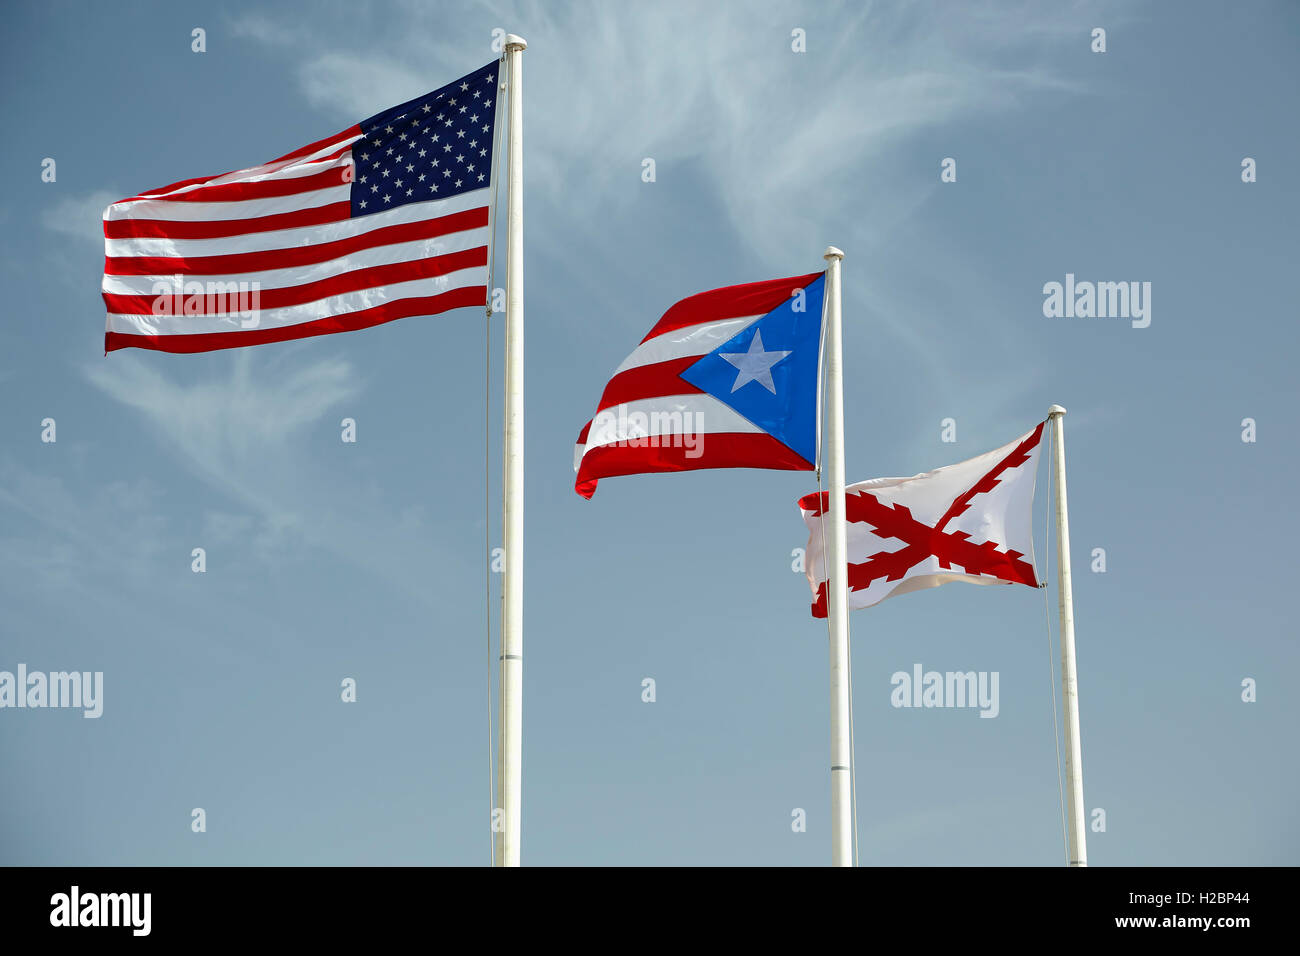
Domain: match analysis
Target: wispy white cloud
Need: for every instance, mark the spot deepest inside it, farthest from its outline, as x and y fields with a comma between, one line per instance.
x=695, y=82
x=223, y=425
x=250, y=435
x=257, y=26
x=81, y=217
x=698, y=83
x=782, y=143
x=234, y=432
x=332, y=81
x=79, y=538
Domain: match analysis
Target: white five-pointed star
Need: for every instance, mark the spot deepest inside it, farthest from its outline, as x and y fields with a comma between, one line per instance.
x=754, y=365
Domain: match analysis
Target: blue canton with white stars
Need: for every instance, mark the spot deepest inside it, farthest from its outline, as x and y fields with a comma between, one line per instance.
x=432, y=147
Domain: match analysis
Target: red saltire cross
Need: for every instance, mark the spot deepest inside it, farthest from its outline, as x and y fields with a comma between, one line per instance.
x=922, y=541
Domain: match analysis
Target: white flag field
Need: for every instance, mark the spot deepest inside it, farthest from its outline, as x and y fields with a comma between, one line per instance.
x=972, y=521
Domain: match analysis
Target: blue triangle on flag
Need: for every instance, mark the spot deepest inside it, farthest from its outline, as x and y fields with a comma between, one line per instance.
x=768, y=371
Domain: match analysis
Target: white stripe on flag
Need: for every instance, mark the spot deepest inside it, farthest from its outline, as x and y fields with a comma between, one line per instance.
x=684, y=342
x=292, y=169
x=668, y=415
x=293, y=315
x=301, y=275
x=301, y=237
x=181, y=211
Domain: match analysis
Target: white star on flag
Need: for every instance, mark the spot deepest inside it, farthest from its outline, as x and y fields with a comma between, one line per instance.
x=754, y=365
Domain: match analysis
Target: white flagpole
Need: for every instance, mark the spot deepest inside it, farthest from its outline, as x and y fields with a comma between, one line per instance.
x=511, y=666
x=837, y=603
x=1069, y=677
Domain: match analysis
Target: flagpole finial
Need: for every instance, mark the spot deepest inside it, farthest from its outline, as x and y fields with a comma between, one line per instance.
x=1054, y=411
x=515, y=42
x=832, y=253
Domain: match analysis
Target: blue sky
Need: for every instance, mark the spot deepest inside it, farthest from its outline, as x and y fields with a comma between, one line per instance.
x=328, y=560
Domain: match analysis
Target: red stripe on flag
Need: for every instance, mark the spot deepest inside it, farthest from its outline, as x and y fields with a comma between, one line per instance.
x=347, y=322
x=714, y=450
x=1018, y=456
x=347, y=134
x=819, y=605
x=371, y=278
x=264, y=189
x=350, y=133
x=224, y=228
x=298, y=256
x=733, y=302
x=649, y=381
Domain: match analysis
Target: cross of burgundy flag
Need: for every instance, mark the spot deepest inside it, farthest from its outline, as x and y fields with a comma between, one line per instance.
x=390, y=218
x=972, y=521
x=725, y=379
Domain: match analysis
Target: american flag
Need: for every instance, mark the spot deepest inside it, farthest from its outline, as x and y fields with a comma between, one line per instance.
x=390, y=218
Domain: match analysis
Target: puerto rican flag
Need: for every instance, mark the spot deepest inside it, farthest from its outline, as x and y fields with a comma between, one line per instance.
x=390, y=218
x=972, y=521
x=725, y=379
